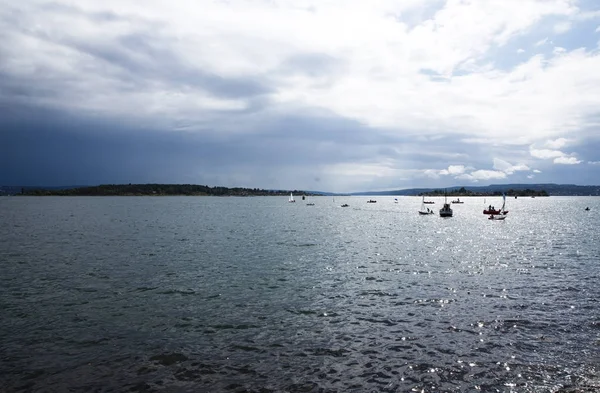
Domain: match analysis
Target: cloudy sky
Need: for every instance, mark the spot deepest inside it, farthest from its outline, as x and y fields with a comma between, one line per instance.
x=333, y=95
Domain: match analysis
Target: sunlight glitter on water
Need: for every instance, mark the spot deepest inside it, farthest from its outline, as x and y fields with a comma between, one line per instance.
x=235, y=294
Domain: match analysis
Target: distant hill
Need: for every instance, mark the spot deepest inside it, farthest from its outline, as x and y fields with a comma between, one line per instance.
x=550, y=189
x=14, y=190
x=152, y=189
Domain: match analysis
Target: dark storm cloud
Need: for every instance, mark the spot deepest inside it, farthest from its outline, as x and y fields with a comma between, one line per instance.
x=52, y=148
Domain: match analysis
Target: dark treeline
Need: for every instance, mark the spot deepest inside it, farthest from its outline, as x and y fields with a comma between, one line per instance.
x=156, y=189
x=464, y=192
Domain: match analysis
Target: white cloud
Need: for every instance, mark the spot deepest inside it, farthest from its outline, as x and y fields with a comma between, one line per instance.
x=558, y=50
x=508, y=168
x=587, y=15
x=562, y=27
x=546, y=153
x=541, y=42
x=559, y=157
x=520, y=50
x=594, y=162
x=432, y=173
x=557, y=143
x=482, y=174
x=530, y=176
x=597, y=29
x=537, y=171
x=453, y=170
x=566, y=160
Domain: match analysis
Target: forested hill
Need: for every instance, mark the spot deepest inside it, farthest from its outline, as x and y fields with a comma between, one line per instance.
x=528, y=192
x=192, y=189
x=497, y=189
x=155, y=189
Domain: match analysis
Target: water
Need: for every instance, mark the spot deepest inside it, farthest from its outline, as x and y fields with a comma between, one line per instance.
x=184, y=294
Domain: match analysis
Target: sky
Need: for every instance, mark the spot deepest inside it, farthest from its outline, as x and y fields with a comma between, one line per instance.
x=328, y=95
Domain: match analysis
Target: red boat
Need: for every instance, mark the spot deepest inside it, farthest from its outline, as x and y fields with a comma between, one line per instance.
x=494, y=212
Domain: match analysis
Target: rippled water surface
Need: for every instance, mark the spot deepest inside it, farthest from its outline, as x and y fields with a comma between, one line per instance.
x=188, y=294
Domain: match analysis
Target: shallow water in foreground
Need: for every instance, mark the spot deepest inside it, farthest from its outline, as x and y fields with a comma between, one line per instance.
x=260, y=295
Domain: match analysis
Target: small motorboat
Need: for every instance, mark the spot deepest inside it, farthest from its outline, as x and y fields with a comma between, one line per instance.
x=494, y=211
x=502, y=211
x=345, y=205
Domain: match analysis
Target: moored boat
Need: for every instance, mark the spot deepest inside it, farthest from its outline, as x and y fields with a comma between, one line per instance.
x=446, y=210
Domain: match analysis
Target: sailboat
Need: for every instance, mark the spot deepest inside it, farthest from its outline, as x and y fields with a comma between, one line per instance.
x=501, y=214
x=424, y=210
x=446, y=210
x=291, y=200
x=491, y=210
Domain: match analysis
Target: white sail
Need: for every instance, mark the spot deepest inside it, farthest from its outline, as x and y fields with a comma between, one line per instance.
x=424, y=210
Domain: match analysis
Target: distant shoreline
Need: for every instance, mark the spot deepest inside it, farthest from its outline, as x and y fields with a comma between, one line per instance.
x=510, y=190
x=157, y=190
x=200, y=190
